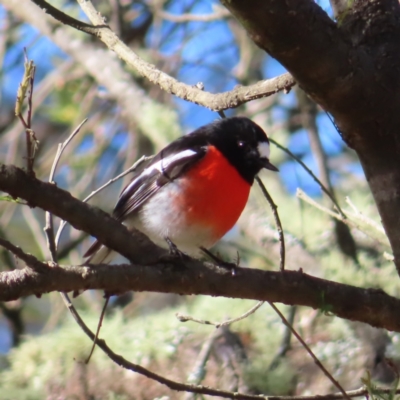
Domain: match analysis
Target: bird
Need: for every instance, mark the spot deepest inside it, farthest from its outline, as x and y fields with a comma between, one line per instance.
x=194, y=190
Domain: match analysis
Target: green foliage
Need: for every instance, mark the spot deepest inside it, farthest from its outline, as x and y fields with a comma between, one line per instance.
x=11, y=199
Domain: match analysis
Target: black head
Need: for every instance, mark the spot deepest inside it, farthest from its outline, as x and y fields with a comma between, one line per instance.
x=243, y=143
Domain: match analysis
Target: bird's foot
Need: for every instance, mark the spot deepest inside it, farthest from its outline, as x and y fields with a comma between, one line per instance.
x=175, y=255
x=221, y=263
x=174, y=251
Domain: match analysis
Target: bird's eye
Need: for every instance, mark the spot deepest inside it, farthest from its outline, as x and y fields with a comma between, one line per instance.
x=241, y=144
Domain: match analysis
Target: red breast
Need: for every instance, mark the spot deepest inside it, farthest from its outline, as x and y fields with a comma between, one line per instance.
x=214, y=194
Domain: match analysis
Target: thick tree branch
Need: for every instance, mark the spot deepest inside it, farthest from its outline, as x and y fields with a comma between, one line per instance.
x=371, y=306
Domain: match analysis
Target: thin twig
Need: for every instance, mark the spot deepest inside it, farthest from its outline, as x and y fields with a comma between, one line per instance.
x=308, y=170
x=368, y=221
x=185, y=318
x=49, y=227
x=285, y=345
x=29, y=259
x=66, y=19
x=31, y=140
x=61, y=148
x=278, y=223
x=303, y=196
x=309, y=351
x=103, y=311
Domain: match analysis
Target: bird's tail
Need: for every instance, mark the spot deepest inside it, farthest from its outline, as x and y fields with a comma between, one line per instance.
x=98, y=254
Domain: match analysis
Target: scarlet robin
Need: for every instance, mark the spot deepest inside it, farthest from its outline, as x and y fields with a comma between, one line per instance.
x=194, y=190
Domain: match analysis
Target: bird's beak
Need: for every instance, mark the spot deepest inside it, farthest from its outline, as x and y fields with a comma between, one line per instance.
x=267, y=165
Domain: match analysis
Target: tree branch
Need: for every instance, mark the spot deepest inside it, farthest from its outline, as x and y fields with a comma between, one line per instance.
x=216, y=102
x=371, y=306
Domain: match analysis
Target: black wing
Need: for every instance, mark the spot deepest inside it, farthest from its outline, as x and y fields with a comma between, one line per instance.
x=162, y=170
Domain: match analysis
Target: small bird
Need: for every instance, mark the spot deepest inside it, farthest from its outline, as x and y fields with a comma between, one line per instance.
x=194, y=190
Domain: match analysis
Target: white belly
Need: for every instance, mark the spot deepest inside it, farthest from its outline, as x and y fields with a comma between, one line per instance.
x=151, y=220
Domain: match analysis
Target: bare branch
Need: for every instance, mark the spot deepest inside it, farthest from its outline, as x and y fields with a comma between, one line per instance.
x=100, y=323
x=372, y=306
x=49, y=227
x=220, y=101
x=313, y=176
x=278, y=223
x=185, y=318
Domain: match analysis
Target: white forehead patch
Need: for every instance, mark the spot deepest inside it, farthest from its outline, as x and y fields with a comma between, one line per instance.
x=263, y=150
